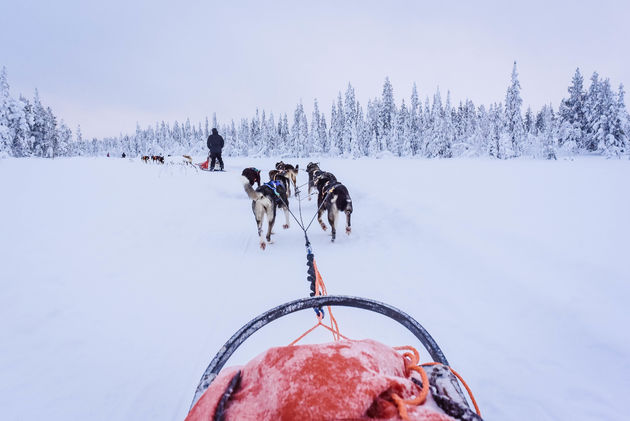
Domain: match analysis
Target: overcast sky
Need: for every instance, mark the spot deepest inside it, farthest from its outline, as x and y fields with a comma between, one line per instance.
x=107, y=64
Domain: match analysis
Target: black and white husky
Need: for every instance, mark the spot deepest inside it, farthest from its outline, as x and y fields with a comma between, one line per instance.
x=334, y=198
x=313, y=171
x=265, y=200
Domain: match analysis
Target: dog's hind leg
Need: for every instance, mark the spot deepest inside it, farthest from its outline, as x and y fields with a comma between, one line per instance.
x=332, y=219
x=259, y=213
x=319, y=218
x=271, y=219
x=348, y=227
x=286, y=214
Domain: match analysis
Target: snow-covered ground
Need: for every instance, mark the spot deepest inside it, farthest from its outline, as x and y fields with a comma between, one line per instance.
x=120, y=280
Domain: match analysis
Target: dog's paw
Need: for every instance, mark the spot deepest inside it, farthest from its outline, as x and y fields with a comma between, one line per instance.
x=348, y=230
x=324, y=227
x=285, y=226
x=263, y=245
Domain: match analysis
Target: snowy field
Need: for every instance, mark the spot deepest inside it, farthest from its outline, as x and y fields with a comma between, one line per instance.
x=120, y=280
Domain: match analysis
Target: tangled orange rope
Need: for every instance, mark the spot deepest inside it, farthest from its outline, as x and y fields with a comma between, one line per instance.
x=320, y=289
x=412, y=360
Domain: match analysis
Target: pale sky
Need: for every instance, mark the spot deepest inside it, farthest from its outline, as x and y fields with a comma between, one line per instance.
x=107, y=64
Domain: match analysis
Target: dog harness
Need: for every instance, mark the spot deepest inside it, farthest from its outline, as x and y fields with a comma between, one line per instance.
x=273, y=185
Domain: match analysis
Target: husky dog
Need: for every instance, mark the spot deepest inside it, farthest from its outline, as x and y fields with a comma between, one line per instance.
x=333, y=197
x=281, y=175
x=265, y=200
x=291, y=173
x=313, y=170
x=252, y=174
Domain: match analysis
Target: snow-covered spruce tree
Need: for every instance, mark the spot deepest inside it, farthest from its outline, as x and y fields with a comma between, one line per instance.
x=6, y=135
x=349, y=134
x=496, y=142
x=323, y=134
x=440, y=132
x=317, y=146
x=64, y=141
x=403, y=132
x=38, y=129
x=231, y=138
x=601, y=124
x=254, y=135
x=470, y=127
x=616, y=142
x=549, y=134
x=299, y=133
x=426, y=125
x=483, y=134
x=50, y=134
x=530, y=140
x=336, y=129
x=415, y=115
x=592, y=111
x=572, y=116
x=19, y=128
x=513, y=116
x=363, y=136
x=372, y=123
x=242, y=145
x=387, y=115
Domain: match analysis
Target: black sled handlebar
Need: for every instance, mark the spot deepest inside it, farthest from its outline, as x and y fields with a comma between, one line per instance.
x=269, y=316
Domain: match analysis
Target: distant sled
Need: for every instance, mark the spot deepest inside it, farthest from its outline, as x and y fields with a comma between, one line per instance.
x=205, y=166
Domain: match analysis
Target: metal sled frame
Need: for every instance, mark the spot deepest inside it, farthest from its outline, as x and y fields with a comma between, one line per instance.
x=269, y=316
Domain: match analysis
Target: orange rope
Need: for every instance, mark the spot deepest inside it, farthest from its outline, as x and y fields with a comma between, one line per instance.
x=411, y=360
x=320, y=289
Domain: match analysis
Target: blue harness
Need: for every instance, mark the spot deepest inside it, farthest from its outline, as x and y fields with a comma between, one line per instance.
x=273, y=185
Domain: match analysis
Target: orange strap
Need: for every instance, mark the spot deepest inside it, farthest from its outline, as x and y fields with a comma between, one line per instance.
x=320, y=289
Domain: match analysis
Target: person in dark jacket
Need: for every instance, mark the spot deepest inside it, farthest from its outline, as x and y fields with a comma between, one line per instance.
x=215, y=144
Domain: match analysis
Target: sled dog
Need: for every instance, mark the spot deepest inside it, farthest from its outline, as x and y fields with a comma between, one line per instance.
x=252, y=174
x=277, y=175
x=313, y=170
x=333, y=197
x=291, y=172
x=265, y=200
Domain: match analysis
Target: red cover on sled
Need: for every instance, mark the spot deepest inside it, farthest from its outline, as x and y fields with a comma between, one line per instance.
x=339, y=380
x=204, y=165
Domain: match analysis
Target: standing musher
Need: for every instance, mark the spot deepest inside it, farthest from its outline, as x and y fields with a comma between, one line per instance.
x=215, y=144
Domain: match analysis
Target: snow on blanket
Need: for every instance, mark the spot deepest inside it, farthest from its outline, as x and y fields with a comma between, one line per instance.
x=338, y=380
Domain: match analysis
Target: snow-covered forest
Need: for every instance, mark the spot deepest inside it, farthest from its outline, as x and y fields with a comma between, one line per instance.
x=591, y=119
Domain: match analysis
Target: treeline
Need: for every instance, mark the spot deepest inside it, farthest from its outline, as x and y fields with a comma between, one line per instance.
x=589, y=120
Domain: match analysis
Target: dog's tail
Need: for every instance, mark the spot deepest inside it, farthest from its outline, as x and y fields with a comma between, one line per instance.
x=297, y=167
x=253, y=194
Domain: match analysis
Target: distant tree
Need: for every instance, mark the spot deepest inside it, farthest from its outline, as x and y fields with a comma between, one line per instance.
x=616, y=141
x=549, y=134
x=336, y=128
x=513, y=117
x=6, y=137
x=415, y=115
x=387, y=115
x=316, y=142
x=572, y=115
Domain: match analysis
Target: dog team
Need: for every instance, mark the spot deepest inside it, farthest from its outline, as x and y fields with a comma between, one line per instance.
x=332, y=196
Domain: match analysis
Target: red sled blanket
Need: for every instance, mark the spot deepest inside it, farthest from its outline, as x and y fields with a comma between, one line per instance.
x=349, y=380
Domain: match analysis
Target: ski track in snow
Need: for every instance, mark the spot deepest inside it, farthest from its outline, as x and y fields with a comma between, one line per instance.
x=120, y=280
